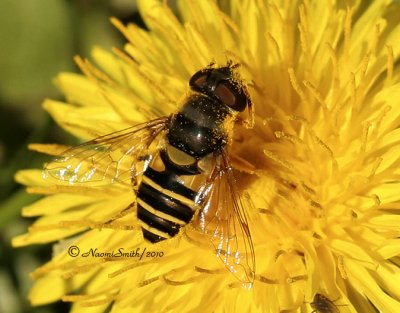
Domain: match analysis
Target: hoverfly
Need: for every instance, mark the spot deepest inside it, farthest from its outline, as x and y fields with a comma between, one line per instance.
x=179, y=168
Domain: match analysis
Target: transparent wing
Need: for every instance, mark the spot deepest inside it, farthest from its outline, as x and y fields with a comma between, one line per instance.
x=223, y=218
x=107, y=159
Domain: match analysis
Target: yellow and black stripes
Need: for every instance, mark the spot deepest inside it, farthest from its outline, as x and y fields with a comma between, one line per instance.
x=164, y=205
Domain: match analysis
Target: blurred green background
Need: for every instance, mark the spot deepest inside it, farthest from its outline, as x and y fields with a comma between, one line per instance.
x=38, y=39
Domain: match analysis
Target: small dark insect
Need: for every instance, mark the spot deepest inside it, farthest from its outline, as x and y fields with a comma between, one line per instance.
x=179, y=168
x=322, y=304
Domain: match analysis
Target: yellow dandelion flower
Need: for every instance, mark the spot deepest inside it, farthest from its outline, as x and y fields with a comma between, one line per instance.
x=324, y=79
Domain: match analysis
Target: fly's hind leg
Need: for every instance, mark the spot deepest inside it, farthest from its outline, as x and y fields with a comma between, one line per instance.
x=131, y=208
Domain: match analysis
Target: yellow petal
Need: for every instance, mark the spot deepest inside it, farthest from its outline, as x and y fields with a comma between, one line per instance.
x=365, y=284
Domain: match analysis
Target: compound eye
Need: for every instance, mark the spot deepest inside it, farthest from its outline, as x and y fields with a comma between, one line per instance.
x=225, y=94
x=199, y=80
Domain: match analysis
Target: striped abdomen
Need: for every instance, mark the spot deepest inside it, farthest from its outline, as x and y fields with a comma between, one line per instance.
x=164, y=205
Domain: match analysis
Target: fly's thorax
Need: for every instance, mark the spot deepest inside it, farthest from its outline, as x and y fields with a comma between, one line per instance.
x=178, y=161
x=207, y=112
x=181, y=163
x=199, y=128
x=179, y=157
